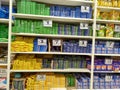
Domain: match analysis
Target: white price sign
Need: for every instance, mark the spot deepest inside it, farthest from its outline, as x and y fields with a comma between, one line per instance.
x=83, y=43
x=117, y=28
x=47, y=23
x=108, y=61
x=98, y=27
x=56, y=42
x=84, y=26
x=110, y=44
x=108, y=78
x=85, y=9
x=41, y=77
x=42, y=41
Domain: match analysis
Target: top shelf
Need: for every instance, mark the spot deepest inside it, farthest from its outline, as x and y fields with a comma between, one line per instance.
x=6, y=2
x=66, y=2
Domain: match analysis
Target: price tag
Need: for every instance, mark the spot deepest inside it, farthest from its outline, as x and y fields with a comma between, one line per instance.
x=85, y=9
x=41, y=77
x=42, y=41
x=84, y=25
x=47, y=23
x=117, y=28
x=98, y=27
x=83, y=43
x=108, y=78
x=56, y=42
x=110, y=44
x=108, y=61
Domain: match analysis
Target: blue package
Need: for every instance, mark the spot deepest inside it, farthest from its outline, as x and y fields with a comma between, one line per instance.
x=89, y=14
x=72, y=12
x=77, y=12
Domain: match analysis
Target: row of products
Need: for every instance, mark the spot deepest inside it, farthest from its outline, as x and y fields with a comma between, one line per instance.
x=46, y=81
x=108, y=30
x=111, y=15
x=4, y=11
x=33, y=26
x=53, y=10
x=3, y=33
x=27, y=44
x=106, y=81
x=107, y=47
x=109, y=3
x=32, y=62
x=105, y=64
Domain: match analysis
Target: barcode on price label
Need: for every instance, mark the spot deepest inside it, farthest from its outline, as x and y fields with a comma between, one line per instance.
x=56, y=42
x=84, y=26
x=85, y=9
x=47, y=23
x=42, y=41
x=83, y=43
x=41, y=77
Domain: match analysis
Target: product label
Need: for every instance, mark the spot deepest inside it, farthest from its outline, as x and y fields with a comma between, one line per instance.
x=85, y=9
x=110, y=44
x=117, y=28
x=83, y=43
x=84, y=25
x=42, y=41
x=56, y=42
x=41, y=77
x=47, y=23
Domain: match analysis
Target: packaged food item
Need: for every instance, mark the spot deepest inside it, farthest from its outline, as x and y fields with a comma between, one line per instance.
x=101, y=32
x=109, y=30
x=115, y=3
x=114, y=15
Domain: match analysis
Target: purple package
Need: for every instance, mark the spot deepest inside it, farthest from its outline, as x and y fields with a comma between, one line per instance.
x=116, y=50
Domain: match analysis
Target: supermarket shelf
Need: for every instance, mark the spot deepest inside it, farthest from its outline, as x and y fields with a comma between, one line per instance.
x=55, y=53
x=6, y=2
x=3, y=42
x=66, y=2
x=108, y=21
x=3, y=64
x=106, y=71
x=54, y=70
x=107, y=38
x=52, y=36
x=2, y=20
x=107, y=54
x=103, y=8
x=53, y=18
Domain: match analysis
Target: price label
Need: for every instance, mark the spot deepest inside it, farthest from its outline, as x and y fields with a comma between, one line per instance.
x=83, y=43
x=47, y=23
x=85, y=9
x=98, y=27
x=42, y=41
x=56, y=42
x=84, y=25
x=110, y=44
x=108, y=61
x=41, y=77
x=117, y=28
x=108, y=78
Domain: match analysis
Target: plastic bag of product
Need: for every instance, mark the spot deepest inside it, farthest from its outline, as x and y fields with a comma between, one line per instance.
x=110, y=3
x=104, y=15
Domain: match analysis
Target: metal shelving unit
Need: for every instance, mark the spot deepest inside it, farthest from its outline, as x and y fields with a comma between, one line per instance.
x=62, y=19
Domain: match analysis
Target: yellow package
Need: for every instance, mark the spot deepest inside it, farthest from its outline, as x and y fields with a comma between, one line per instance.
x=98, y=14
x=104, y=15
x=110, y=3
x=115, y=3
x=110, y=30
x=118, y=3
x=114, y=15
